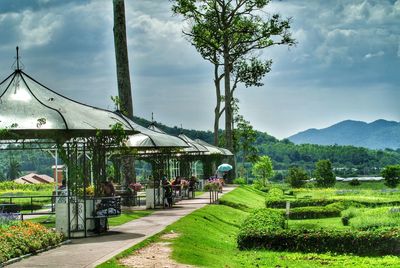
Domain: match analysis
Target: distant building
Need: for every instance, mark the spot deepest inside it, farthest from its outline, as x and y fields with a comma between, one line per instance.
x=33, y=178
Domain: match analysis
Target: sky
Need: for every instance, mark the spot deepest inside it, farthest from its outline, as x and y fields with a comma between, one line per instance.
x=346, y=64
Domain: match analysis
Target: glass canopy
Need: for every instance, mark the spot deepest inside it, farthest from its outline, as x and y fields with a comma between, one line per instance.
x=31, y=110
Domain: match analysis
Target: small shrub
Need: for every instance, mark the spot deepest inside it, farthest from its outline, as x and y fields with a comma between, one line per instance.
x=240, y=181
x=354, y=182
x=262, y=221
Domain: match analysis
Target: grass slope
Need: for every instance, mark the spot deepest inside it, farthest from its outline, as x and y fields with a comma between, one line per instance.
x=208, y=239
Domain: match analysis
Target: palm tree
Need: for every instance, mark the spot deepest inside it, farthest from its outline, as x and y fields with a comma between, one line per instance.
x=14, y=169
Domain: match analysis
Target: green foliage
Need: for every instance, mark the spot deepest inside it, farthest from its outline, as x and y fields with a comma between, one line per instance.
x=324, y=174
x=262, y=221
x=314, y=212
x=281, y=203
x=391, y=175
x=354, y=182
x=297, y=177
x=364, y=243
x=240, y=181
x=372, y=218
x=245, y=138
x=10, y=186
x=263, y=170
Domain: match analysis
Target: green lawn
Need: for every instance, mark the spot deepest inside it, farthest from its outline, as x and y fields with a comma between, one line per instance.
x=208, y=239
x=128, y=216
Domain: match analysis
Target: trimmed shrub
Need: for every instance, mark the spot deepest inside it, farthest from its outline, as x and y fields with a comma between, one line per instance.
x=314, y=212
x=262, y=221
x=364, y=243
x=280, y=203
x=240, y=181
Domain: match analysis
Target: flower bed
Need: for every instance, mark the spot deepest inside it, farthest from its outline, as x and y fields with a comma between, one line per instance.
x=25, y=237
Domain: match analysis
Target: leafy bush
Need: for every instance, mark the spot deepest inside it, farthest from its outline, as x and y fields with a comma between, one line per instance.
x=354, y=182
x=25, y=237
x=314, y=212
x=240, y=181
x=369, y=243
x=297, y=177
x=262, y=221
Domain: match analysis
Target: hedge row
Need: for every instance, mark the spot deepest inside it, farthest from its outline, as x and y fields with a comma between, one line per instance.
x=262, y=221
x=25, y=237
x=281, y=203
x=363, y=243
x=314, y=212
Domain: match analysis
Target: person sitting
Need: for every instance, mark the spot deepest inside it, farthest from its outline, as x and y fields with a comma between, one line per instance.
x=106, y=207
x=192, y=186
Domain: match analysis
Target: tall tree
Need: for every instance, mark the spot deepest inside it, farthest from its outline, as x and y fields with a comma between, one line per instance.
x=123, y=78
x=233, y=30
x=392, y=175
x=122, y=60
x=324, y=173
x=263, y=170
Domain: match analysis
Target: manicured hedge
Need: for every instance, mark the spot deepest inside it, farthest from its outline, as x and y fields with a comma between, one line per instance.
x=281, y=203
x=262, y=221
x=364, y=243
x=25, y=237
x=314, y=212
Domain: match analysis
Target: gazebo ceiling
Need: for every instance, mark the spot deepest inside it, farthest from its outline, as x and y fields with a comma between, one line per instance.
x=214, y=149
x=150, y=139
x=31, y=110
x=194, y=146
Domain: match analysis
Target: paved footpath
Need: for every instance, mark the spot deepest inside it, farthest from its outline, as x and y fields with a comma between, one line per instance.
x=92, y=251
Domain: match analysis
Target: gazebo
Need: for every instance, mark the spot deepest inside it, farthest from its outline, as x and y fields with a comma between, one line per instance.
x=32, y=116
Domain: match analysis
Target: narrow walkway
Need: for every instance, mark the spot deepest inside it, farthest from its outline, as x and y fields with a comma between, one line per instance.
x=89, y=252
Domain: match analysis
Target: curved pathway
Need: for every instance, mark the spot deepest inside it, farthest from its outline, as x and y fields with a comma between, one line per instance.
x=92, y=251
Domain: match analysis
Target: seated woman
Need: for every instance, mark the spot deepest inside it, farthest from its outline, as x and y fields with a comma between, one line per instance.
x=107, y=207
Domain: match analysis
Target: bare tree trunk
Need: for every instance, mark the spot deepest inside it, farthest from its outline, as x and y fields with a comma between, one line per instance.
x=122, y=60
x=124, y=81
x=228, y=101
x=217, y=112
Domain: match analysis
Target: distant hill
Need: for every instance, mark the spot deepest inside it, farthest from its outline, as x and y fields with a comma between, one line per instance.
x=379, y=134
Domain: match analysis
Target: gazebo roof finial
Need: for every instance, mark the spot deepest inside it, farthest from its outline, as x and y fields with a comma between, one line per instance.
x=17, y=64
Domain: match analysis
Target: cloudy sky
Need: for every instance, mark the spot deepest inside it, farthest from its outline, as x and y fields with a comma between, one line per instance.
x=346, y=64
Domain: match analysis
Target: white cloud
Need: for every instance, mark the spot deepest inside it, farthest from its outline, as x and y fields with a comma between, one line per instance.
x=37, y=29
x=373, y=55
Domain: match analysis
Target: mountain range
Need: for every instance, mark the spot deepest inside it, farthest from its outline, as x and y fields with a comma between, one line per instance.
x=380, y=134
